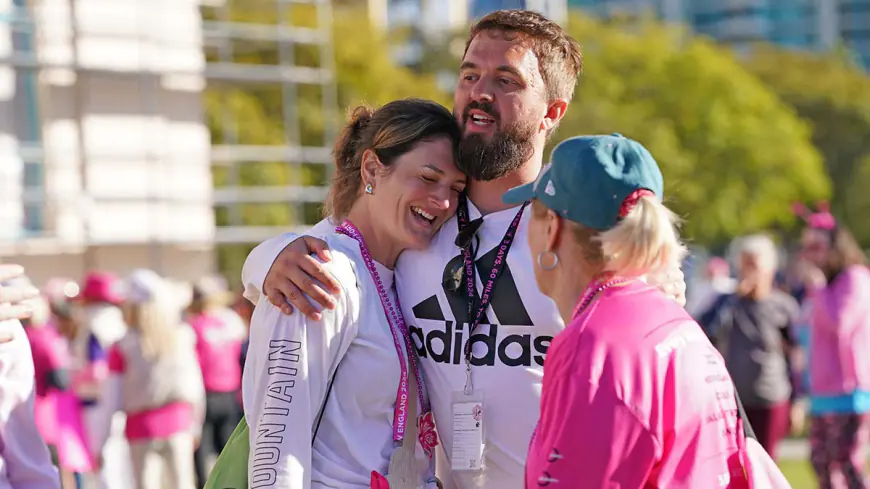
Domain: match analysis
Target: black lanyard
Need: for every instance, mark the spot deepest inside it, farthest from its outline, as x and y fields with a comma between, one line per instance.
x=490, y=280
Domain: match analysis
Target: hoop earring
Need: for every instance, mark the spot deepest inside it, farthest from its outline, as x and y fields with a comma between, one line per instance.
x=541, y=260
x=370, y=189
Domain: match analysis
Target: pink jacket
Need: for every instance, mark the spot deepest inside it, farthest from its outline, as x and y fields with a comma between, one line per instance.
x=840, y=334
x=635, y=396
x=49, y=354
x=57, y=413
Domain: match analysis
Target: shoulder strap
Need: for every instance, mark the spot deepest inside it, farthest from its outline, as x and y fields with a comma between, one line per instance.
x=728, y=304
x=741, y=412
x=747, y=428
x=323, y=406
x=342, y=352
x=724, y=314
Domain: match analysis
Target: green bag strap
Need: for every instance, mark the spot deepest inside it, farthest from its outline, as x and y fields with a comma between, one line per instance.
x=231, y=469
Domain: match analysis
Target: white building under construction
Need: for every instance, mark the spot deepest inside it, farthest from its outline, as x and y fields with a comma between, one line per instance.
x=105, y=157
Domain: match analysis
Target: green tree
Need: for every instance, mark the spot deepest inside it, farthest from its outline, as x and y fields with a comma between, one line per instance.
x=833, y=95
x=734, y=156
x=365, y=73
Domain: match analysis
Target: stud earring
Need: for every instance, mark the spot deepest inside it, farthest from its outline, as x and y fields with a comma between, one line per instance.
x=369, y=189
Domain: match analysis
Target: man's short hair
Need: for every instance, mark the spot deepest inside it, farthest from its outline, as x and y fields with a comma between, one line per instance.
x=559, y=57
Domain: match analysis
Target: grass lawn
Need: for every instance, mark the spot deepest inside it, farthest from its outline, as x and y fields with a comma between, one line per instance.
x=799, y=473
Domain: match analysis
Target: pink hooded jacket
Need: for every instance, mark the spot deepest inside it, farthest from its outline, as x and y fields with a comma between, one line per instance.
x=635, y=396
x=840, y=334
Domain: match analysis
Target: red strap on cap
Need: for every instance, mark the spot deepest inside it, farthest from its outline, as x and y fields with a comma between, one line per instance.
x=631, y=201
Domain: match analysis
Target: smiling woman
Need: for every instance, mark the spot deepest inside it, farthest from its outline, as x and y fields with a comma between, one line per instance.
x=402, y=156
x=396, y=183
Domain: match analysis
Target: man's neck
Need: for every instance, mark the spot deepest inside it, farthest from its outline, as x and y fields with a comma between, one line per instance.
x=486, y=196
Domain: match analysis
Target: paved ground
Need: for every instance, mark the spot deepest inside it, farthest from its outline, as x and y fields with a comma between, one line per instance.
x=794, y=449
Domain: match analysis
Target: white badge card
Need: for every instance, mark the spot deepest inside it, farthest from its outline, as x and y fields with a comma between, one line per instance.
x=468, y=435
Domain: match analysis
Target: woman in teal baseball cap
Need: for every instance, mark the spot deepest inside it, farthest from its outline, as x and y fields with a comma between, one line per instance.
x=634, y=394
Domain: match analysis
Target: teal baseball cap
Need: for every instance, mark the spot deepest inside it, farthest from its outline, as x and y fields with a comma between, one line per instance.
x=589, y=178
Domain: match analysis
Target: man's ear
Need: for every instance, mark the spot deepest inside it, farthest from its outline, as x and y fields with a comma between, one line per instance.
x=555, y=111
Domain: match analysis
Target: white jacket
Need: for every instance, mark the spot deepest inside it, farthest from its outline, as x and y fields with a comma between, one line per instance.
x=291, y=361
x=24, y=459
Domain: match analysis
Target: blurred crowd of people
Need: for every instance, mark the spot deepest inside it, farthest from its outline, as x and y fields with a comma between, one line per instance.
x=139, y=373
x=138, y=378
x=134, y=371
x=792, y=329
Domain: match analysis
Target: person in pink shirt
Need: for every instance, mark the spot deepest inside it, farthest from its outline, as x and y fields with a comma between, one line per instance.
x=50, y=362
x=155, y=379
x=56, y=408
x=838, y=284
x=634, y=394
x=219, y=332
x=100, y=324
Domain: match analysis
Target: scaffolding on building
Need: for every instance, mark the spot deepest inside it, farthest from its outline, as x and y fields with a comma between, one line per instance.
x=221, y=34
x=221, y=71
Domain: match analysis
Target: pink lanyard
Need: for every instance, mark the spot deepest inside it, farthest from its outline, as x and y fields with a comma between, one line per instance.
x=397, y=321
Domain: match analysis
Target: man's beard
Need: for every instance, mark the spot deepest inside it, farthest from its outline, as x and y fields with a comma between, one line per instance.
x=504, y=153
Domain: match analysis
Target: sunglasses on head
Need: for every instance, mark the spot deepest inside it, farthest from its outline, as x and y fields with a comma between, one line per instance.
x=453, y=280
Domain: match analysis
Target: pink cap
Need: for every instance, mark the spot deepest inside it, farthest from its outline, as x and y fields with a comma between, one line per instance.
x=101, y=287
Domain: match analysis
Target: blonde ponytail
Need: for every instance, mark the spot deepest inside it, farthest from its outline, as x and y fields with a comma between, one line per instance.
x=645, y=241
x=155, y=322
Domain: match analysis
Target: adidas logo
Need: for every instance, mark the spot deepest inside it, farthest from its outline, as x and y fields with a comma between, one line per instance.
x=446, y=344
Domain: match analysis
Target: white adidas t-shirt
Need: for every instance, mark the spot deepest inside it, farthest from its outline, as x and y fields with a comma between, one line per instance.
x=510, y=343
x=508, y=350
x=290, y=362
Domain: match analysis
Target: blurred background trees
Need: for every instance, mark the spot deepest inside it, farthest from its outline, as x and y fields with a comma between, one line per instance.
x=739, y=138
x=837, y=107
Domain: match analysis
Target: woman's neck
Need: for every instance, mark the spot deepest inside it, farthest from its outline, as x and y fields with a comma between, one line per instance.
x=569, y=285
x=382, y=247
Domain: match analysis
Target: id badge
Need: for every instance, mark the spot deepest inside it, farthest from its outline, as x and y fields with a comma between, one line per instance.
x=469, y=417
